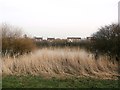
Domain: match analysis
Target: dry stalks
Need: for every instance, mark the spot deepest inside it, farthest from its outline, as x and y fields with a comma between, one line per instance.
x=60, y=63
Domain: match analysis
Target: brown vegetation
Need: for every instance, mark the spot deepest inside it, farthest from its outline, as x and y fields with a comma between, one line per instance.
x=69, y=60
x=61, y=63
x=13, y=41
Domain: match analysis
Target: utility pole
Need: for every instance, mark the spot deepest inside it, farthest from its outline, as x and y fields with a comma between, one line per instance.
x=119, y=13
x=119, y=60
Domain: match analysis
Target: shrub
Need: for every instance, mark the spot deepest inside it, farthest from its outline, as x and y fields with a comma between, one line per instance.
x=23, y=45
x=13, y=41
x=107, y=40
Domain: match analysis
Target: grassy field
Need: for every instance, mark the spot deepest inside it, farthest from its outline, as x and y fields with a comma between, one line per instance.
x=61, y=62
x=39, y=82
x=67, y=66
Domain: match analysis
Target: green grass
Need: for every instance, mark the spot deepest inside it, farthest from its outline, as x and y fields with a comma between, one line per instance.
x=39, y=82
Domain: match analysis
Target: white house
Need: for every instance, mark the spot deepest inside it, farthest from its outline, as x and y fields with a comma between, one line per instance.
x=73, y=39
x=50, y=39
x=38, y=39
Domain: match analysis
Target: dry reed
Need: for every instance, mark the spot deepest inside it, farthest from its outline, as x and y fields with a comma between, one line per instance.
x=60, y=63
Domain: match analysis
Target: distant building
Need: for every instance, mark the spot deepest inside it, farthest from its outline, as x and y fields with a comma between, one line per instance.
x=90, y=38
x=58, y=39
x=50, y=39
x=73, y=39
x=38, y=39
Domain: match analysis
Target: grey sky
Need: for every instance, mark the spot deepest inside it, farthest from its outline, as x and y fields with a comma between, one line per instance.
x=59, y=18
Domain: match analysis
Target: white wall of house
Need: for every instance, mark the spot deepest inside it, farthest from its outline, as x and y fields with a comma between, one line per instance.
x=74, y=40
x=38, y=40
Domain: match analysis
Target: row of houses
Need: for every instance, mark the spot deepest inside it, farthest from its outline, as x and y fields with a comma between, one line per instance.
x=69, y=39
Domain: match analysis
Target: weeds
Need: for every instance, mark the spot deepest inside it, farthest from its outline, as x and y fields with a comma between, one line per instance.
x=57, y=62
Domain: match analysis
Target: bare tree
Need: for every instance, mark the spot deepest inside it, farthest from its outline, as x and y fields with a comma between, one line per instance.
x=13, y=42
x=9, y=31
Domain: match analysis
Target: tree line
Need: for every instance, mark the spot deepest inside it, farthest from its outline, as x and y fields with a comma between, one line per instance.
x=106, y=41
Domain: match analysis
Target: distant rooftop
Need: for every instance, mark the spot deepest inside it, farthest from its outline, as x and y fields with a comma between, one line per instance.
x=73, y=37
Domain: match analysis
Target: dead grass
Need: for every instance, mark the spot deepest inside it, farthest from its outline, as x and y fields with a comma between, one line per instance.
x=60, y=63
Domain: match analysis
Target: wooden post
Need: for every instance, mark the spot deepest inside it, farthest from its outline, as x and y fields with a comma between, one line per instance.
x=119, y=60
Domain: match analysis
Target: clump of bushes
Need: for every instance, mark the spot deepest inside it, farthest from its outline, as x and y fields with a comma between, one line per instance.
x=107, y=41
x=63, y=43
x=13, y=41
x=23, y=45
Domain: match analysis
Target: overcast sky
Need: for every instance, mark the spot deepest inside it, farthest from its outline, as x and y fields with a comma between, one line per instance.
x=59, y=18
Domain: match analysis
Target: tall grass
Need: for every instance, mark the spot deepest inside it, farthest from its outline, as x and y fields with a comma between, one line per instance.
x=57, y=62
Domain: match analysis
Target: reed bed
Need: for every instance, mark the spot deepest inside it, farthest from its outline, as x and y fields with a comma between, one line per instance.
x=60, y=62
